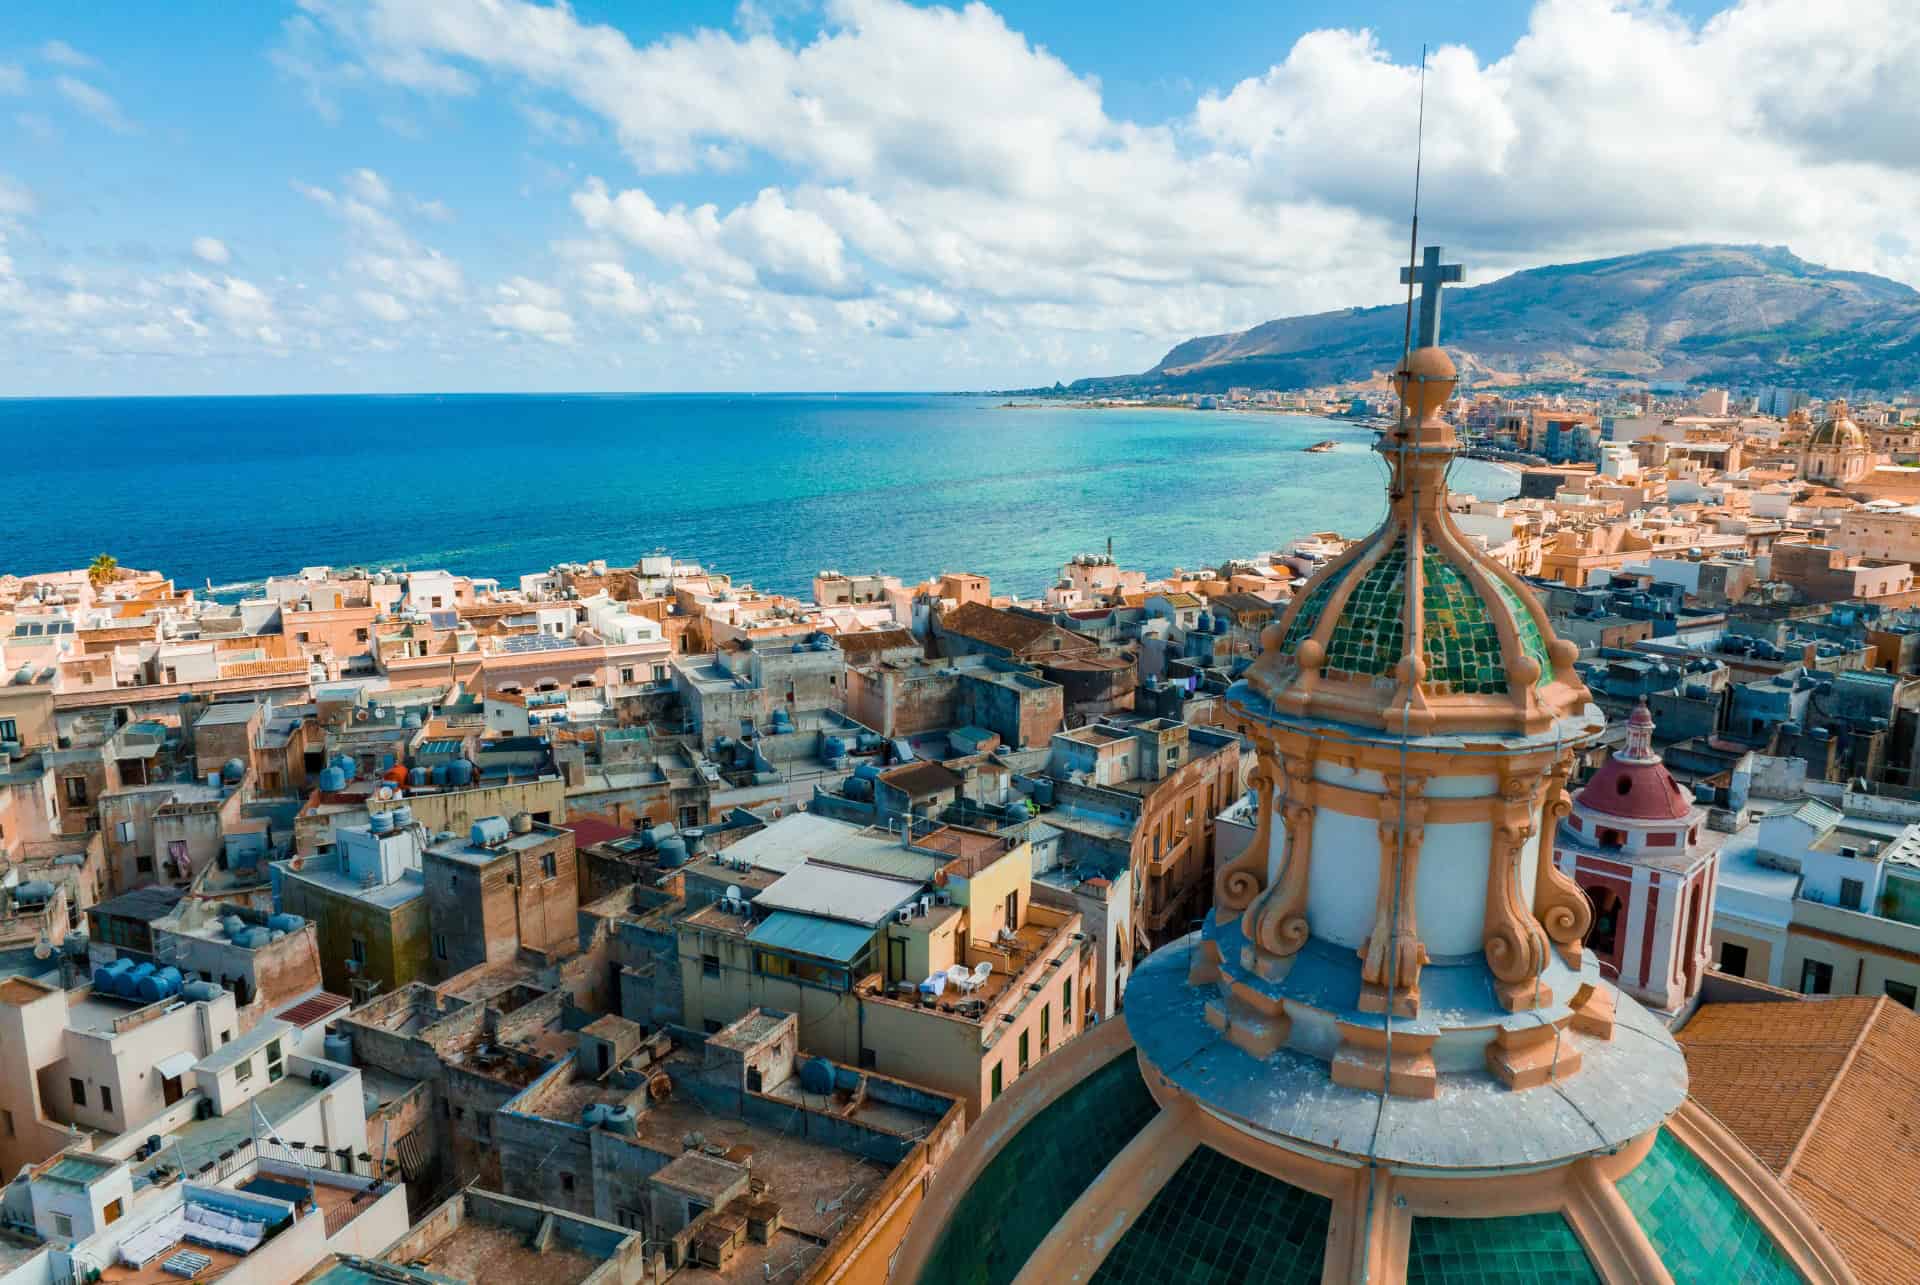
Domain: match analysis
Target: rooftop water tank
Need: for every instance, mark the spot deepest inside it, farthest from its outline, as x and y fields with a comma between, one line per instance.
x=420, y=776
x=234, y=771
x=595, y=1115
x=396, y=775
x=402, y=817
x=233, y=925
x=440, y=773
x=106, y=976
x=160, y=985
x=410, y=722
x=387, y=761
x=816, y=1075
x=859, y=788
x=621, y=1119
x=333, y=780
x=337, y=1048
x=522, y=823
x=380, y=823
x=346, y=765
x=284, y=923
x=459, y=772
x=832, y=747
x=200, y=992
x=866, y=771
x=673, y=852
x=488, y=831
x=33, y=892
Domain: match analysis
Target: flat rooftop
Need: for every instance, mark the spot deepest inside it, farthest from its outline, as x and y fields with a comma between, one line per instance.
x=804, y=1177
x=800, y=837
x=489, y=1254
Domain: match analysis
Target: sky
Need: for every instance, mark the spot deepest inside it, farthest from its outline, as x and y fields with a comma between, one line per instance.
x=673, y=195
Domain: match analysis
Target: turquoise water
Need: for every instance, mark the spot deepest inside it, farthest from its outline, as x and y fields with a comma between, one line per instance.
x=770, y=489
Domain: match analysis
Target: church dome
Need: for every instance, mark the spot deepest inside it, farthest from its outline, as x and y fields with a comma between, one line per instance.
x=1838, y=431
x=1414, y=628
x=1634, y=784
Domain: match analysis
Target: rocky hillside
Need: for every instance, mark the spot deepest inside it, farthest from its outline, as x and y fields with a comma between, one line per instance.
x=1703, y=313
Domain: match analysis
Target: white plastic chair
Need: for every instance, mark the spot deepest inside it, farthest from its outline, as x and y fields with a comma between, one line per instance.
x=959, y=977
x=980, y=974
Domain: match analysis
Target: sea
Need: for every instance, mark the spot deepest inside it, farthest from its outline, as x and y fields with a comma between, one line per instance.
x=225, y=491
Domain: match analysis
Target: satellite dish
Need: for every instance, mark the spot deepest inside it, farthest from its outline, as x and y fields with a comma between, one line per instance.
x=43, y=949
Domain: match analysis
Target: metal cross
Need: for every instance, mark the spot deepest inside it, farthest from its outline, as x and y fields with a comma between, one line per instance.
x=1430, y=276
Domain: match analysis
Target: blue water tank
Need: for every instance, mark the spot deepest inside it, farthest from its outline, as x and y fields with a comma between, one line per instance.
x=387, y=762
x=333, y=780
x=107, y=976
x=673, y=852
x=871, y=740
x=459, y=772
x=160, y=985
x=866, y=771
x=821, y=642
x=595, y=1115
x=200, y=992
x=621, y=1119
x=420, y=776
x=346, y=765
x=816, y=1075
x=233, y=925
x=130, y=980
x=832, y=747
x=33, y=892
x=439, y=773
x=286, y=923
x=253, y=938
x=380, y=823
x=1220, y=625
x=859, y=788
x=234, y=771
x=488, y=831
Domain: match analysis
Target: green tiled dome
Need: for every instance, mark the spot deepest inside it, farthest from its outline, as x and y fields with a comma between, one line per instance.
x=1702, y=1232
x=1527, y=1249
x=1217, y=1220
x=1035, y=1178
x=1368, y=638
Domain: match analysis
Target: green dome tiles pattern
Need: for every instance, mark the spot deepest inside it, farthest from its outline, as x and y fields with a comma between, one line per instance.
x=1703, y=1234
x=1217, y=1220
x=1462, y=646
x=1530, y=1249
x=1370, y=636
x=1532, y=641
x=1309, y=614
x=1038, y=1173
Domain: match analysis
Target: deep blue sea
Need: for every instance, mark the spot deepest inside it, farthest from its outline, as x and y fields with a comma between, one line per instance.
x=767, y=488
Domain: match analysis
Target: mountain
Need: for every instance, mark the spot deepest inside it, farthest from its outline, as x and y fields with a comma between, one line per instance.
x=1741, y=314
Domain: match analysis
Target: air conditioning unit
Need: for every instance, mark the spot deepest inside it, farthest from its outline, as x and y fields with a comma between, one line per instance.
x=902, y=915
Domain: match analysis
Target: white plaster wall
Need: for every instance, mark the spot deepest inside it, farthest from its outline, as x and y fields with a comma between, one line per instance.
x=1461, y=787
x=1346, y=877
x=1353, y=778
x=1451, y=886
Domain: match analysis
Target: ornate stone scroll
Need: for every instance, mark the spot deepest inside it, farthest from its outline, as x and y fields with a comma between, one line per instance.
x=1562, y=909
x=1515, y=944
x=1238, y=882
x=1394, y=954
x=1276, y=924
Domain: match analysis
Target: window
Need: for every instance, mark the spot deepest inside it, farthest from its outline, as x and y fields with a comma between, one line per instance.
x=106, y=1098
x=357, y=951
x=1173, y=754
x=275, y=1068
x=710, y=1026
x=1023, y=1049
x=659, y=673
x=1733, y=959
x=869, y=1059
x=1902, y=993
x=995, y=1096
x=710, y=964
x=626, y=673
x=111, y=1212
x=550, y=865
x=439, y=945
x=243, y=1071
x=1046, y=1028
x=226, y=1037
x=123, y=831
x=6, y=1123
x=63, y=1226
x=566, y=1181
x=143, y=865
x=76, y=787
x=9, y=730
x=1066, y=1003
x=1851, y=890
x=1816, y=977
x=79, y=1092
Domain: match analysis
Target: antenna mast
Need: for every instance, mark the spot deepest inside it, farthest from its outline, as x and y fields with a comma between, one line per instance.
x=1413, y=233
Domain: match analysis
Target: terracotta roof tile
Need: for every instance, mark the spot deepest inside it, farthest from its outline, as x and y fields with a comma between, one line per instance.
x=1824, y=1093
x=1006, y=629
x=865, y=642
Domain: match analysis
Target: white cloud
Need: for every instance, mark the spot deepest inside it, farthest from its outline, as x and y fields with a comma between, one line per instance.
x=211, y=250
x=13, y=78
x=530, y=308
x=96, y=103
x=64, y=54
x=383, y=305
x=369, y=187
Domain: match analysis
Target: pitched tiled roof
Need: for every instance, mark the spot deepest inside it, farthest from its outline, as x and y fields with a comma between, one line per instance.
x=994, y=627
x=867, y=641
x=1824, y=1093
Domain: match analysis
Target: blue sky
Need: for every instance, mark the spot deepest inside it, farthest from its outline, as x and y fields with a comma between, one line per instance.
x=395, y=195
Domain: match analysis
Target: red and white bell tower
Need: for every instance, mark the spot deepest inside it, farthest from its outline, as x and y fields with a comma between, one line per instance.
x=1634, y=842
